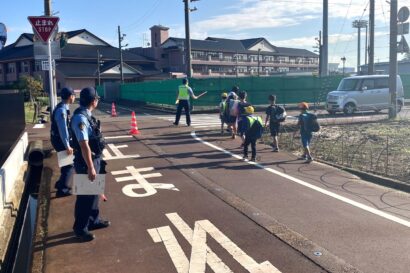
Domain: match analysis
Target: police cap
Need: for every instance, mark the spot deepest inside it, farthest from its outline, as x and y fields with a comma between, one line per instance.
x=87, y=95
x=66, y=92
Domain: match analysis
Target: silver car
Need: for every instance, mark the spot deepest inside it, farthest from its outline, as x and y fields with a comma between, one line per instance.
x=363, y=93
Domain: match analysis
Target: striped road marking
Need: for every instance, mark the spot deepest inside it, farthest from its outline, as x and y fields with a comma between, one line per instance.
x=310, y=186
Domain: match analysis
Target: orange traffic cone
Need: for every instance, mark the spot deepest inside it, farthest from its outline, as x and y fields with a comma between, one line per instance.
x=113, y=111
x=134, y=127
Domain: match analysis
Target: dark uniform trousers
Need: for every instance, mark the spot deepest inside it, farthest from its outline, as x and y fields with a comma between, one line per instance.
x=252, y=141
x=86, y=210
x=66, y=171
x=183, y=104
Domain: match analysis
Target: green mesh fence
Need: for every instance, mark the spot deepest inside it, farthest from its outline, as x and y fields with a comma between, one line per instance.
x=288, y=89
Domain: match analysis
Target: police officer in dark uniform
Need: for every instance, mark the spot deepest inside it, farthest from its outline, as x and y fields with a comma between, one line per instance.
x=88, y=144
x=60, y=135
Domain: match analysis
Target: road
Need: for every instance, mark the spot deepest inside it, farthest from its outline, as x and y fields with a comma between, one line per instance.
x=182, y=200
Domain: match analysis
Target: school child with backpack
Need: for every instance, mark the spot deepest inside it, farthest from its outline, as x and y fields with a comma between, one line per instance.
x=308, y=124
x=222, y=109
x=253, y=131
x=275, y=114
x=231, y=112
x=242, y=115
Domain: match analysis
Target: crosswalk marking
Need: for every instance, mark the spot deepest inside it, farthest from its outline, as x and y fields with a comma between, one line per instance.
x=197, y=121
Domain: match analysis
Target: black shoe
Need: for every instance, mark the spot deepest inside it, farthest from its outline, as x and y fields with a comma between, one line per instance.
x=99, y=225
x=253, y=159
x=85, y=237
x=276, y=150
x=245, y=157
x=62, y=193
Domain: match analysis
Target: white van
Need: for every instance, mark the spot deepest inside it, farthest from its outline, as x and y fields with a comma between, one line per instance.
x=363, y=93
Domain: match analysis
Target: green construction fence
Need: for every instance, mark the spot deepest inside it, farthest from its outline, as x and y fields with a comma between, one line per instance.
x=288, y=89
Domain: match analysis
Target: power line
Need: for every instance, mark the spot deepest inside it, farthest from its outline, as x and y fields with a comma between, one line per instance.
x=144, y=16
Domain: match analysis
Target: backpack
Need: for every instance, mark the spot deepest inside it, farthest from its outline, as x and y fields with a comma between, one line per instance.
x=256, y=130
x=311, y=123
x=278, y=114
x=233, y=107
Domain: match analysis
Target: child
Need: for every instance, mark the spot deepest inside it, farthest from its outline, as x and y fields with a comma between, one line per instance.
x=231, y=112
x=222, y=109
x=275, y=114
x=253, y=131
x=305, y=132
x=242, y=115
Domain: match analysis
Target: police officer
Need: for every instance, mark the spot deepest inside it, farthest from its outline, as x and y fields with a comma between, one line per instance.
x=183, y=95
x=61, y=136
x=88, y=144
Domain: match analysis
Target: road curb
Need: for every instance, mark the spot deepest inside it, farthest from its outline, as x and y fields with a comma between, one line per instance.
x=326, y=260
x=372, y=178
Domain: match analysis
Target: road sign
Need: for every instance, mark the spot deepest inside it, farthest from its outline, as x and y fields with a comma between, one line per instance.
x=403, y=29
x=41, y=50
x=403, y=14
x=43, y=26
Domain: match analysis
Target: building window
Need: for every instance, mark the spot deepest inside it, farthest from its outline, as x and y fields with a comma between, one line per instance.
x=37, y=66
x=11, y=68
x=25, y=67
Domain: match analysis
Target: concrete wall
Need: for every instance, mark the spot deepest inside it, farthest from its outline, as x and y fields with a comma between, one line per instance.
x=78, y=84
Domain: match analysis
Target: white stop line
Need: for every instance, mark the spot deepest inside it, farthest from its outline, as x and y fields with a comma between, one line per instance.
x=310, y=186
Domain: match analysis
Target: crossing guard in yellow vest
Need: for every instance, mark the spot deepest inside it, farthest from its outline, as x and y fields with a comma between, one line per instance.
x=253, y=131
x=184, y=93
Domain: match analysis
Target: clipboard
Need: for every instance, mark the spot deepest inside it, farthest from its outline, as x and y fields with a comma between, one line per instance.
x=83, y=186
x=64, y=159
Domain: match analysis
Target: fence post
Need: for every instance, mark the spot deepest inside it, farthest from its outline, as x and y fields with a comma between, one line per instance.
x=387, y=156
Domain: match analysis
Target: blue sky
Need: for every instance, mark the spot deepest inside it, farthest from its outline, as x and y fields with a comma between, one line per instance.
x=290, y=23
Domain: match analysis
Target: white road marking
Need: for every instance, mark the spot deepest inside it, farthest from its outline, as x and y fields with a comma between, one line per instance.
x=313, y=187
x=150, y=188
x=117, y=137
x=39, y=126
x=117, y=153
x=201, y=254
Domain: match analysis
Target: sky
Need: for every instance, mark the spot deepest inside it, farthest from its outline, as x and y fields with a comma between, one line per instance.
x=287, y=23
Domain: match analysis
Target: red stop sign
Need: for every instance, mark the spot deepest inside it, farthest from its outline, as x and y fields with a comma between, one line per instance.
x=44, y=25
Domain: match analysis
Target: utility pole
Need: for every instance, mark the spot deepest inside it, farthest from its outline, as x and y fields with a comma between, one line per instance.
x=120, y=39
x=187, y=41
x=366, y=49
x=359, y=24
x=325, y=42
x=393, y=59
x=99, y=63
x=47, y=7
x=370, y=66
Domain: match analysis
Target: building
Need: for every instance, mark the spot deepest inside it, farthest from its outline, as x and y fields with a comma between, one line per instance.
x=403, y=67
x=227, y=57
x=78, y=66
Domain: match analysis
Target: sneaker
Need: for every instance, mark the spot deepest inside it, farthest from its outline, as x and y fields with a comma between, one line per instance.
x=275, y=150
x=175, y=124
x=62, y=193
x=99, y=225
x=309, y=159
x=85, y=237
x=253, y=159
x=245, y=157
x=302, y=158
x=233, y=136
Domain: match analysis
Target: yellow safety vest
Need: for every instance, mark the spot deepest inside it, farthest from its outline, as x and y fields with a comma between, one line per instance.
x=183, y=93
x=253, y=119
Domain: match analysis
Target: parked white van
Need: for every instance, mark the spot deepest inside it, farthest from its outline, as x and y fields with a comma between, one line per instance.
x=363, y=93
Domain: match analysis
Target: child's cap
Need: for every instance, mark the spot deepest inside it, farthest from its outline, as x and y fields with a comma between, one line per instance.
x=249, y=110
x=224, y=95
x=303, y=105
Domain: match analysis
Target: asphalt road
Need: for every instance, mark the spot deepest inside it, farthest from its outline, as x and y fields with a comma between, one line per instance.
x=180, y=198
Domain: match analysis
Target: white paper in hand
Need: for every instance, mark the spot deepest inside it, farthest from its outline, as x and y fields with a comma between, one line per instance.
x=83, y=186
x=64, y=159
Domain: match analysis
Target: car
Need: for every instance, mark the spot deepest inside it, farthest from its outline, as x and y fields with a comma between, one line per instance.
x=363, y=93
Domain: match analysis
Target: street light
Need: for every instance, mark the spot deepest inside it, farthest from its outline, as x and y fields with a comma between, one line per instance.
x=344, y=61
x=359, y=24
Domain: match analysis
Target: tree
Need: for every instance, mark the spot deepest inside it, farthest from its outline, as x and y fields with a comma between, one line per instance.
x=32, y=89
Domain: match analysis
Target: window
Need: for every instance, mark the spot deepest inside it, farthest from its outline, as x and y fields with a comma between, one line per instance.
x=381, y=83
x=368, y=83
x=25, y=67
x=11, y=68
x=37, y=66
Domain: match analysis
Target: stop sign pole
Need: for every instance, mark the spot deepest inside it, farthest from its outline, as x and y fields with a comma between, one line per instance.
x=44, y=26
